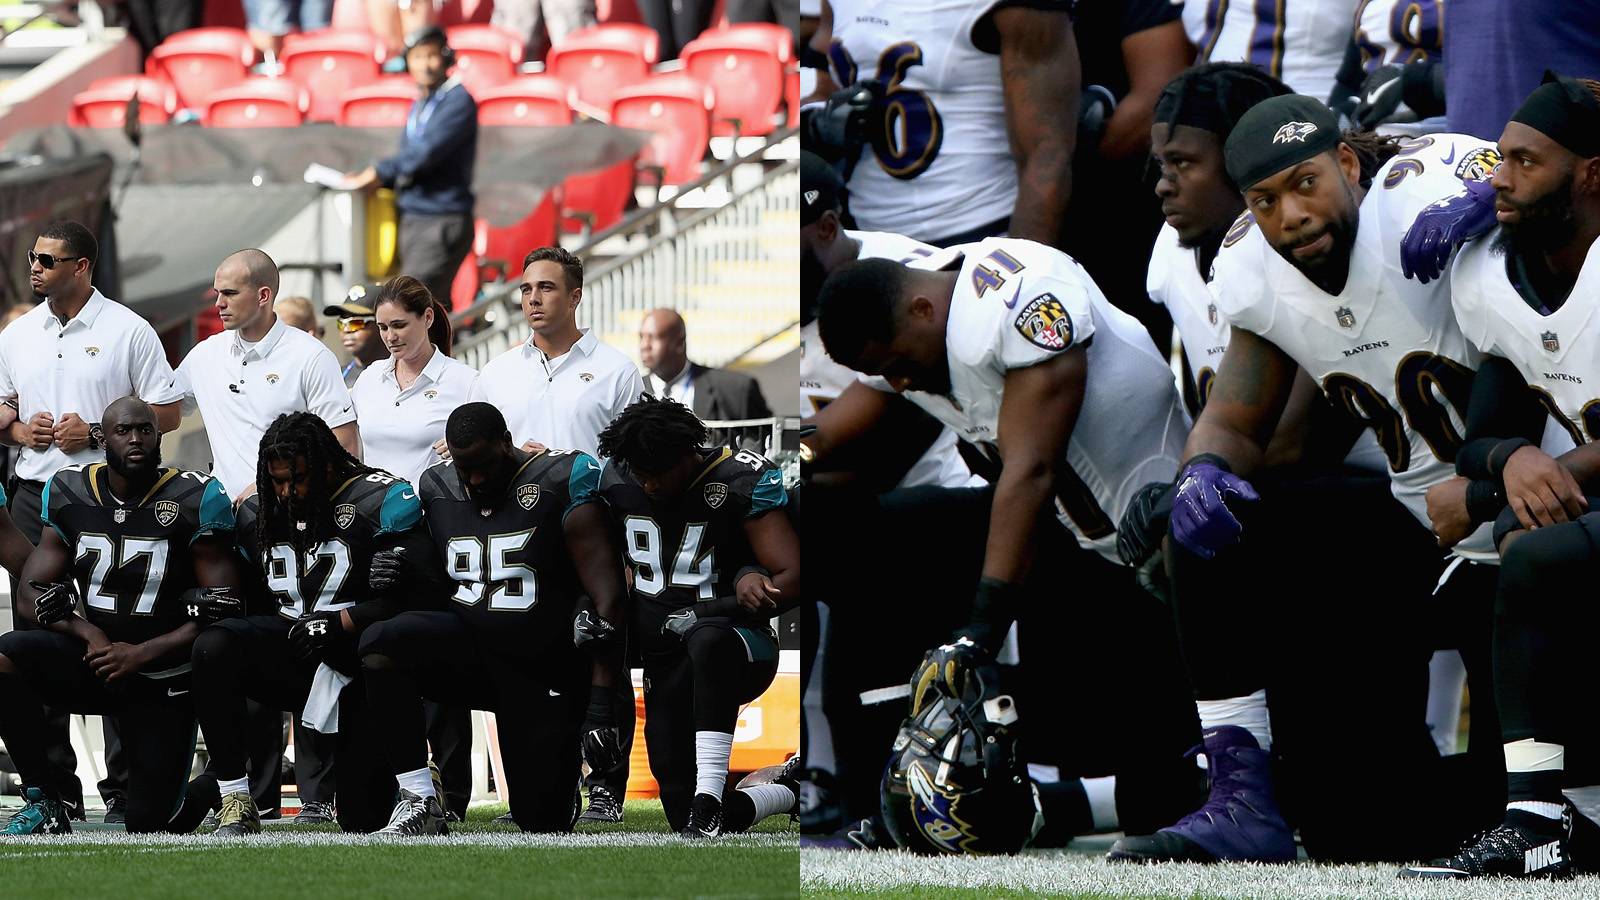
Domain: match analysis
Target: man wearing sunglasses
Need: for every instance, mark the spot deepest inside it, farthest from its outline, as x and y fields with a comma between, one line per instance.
x=61, y=364
x=358, y=330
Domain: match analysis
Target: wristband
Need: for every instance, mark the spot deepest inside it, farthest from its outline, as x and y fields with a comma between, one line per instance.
x=1485, y=499
x=1501, y=454
x=1208, y=459
x=600, y=710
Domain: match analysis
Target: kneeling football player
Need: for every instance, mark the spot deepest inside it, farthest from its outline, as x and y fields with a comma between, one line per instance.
x=714, y=559
x=137, y=541
x=522, y=538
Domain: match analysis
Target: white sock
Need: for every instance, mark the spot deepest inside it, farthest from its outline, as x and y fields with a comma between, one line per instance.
x=711, y=752
x=236, y=786
x=1537, y=807
x=417, y=781
x=1102, y=794
x=770, y=799
x=1249, y=713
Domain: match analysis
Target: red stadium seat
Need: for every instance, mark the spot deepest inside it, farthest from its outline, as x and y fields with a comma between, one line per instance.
x=486, y=56
x=500, y=250
x=676, y=109
x=385, y=103
x=104, y=103
x=258, y=103
x=529, y=100
x=791, y=95
x=202, y=60
x=328, y=64
x=595, y=200
x=601, y=60
x=744, y=64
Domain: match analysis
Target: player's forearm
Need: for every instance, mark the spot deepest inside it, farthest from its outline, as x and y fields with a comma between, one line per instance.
x=1242, y=451
x=14, y=549
x=173, y=641
x=1584, y=464
x=78, y=627
x=1022, y=491
x=1044, y=185
x=168, y=416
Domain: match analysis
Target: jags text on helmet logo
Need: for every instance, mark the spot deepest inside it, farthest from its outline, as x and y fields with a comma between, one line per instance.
x=1294, y=133
x=716, y=493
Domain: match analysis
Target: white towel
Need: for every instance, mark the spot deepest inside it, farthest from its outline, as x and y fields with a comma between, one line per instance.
x=322, y=704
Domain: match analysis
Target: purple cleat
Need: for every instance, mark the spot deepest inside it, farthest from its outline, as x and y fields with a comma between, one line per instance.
x=1239, y=821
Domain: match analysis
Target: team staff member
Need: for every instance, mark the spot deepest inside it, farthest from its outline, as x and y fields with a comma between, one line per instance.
x=357, y=333
x=257, y=369
x=560, y=388
x=402, y=404
x=103, y=351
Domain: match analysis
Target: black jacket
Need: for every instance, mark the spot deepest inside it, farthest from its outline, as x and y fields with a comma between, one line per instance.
x=432, y=173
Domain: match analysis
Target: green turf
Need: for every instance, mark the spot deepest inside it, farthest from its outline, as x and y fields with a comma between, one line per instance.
x=634, y=859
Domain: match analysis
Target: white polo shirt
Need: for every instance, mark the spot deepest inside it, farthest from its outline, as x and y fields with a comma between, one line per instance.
x=399, y=428
x=106, y=352
x=563, y=403
x=240, y=391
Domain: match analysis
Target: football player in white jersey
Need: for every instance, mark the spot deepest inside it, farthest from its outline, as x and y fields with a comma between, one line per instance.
x=959, y=117
x=1300, y=42
x=1310, y=276
x=1072, y=408
x=1392, y=78
x=1525, y=295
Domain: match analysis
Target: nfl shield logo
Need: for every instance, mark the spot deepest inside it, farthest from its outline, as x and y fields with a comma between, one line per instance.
x=1347, y=319
x=344, y=514
x=120, y=516
x=1551, y=342
x=166, y=512
x=527, y=495
x=1211, y=312
x=715, y=494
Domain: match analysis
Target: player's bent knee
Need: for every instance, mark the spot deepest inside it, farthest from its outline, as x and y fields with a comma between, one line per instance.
x=1535, y=567
x=212, y=646
x=376, y=662
x=7, y=667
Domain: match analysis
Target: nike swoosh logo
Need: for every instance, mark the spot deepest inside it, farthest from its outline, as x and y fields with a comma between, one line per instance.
x=1451, y=158
x=173, y=693
x=407, y=495
x=1012, y=303
x=1391, y=84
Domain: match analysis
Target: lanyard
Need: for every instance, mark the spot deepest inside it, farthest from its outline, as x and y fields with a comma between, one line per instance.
x=420, y=111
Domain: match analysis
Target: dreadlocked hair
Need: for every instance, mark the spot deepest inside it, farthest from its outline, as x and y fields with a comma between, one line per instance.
x=1372, y=151
x=1221, y=92
x=303, y=435
x=652, y=434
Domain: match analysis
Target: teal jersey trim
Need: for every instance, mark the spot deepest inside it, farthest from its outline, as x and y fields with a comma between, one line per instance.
x=44, y=512
x=583, y=484
x=768, y=493
x=401, y=509
x=216, y=511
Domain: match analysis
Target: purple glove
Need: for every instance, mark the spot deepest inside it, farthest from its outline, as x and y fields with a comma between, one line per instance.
x=1201, y=520
x=1443, y=226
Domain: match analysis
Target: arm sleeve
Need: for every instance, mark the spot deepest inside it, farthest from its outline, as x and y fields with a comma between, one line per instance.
x=49, y=503
x=452, y=123
x=152, y=378
x=768, y=493
x=1502, y=409
x=325, y=392
x=417, y=544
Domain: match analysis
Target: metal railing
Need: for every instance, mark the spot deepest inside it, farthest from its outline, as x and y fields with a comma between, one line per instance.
x=729, y=270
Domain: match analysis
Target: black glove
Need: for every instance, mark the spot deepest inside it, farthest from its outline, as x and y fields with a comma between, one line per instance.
x=212, y=604
x=1144, y=523
x=679, y=623
x=838, y=130
x=56, y=601
x=602, y=738
x=390, y=569
x=587, y=627
x=315, y=632
x=1095, y=107
x=1381, y=96
x=947, y=669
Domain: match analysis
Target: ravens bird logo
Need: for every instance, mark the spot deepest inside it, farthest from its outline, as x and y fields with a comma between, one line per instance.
x=1294, y=132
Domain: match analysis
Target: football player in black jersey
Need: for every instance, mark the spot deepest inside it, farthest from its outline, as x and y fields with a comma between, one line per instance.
x=521, y=536
x=136, y=541
x=714, y=559
x=309, y=532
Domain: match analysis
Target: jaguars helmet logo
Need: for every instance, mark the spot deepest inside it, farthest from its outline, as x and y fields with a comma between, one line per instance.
x=92, y=351
x=166, y=512
x=272, y=378
x=344, y=515
x=716, y=494
x=527, y=495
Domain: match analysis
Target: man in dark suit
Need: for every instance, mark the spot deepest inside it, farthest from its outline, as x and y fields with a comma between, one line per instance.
x=714, y=394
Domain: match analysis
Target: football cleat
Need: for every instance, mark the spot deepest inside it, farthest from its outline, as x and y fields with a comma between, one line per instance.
x=415, y=816
x=41, y=815
x=239, y=816
x=820, y=809
x=314, y=812
x=705, y=818
x=603, y=807
x=504, y=819
x=1525, y=845
x=116, y=811
x=786, y=774
x=1239, y=822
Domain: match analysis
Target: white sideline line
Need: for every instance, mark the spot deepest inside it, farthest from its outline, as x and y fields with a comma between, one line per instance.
x=20, y=847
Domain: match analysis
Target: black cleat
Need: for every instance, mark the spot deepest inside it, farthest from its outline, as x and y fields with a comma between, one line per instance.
x=604, y=809
x=705, y=818
x=1525, y=845
x=116, y=811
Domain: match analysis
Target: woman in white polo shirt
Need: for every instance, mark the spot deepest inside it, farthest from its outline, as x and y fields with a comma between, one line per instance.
x=406, y=398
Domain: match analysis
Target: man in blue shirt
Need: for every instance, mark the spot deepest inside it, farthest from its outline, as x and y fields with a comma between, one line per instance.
x=432, y=173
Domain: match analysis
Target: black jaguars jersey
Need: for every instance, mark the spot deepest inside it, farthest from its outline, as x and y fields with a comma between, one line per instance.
x=690, y=551
x=370, y=512
x=515, y=583
x=131, y=557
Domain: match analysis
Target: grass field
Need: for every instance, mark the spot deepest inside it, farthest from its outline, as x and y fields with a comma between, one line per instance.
x=638, y=858
x=1081, y=871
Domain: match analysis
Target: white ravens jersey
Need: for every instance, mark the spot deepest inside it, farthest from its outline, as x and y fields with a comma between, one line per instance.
x=1018, y=303
x=1302, y=42
x=1174, y=281
x=1387, y=350
x=1396, y=32
x=942, y=165
x=822, y=380
x=1558, y=354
